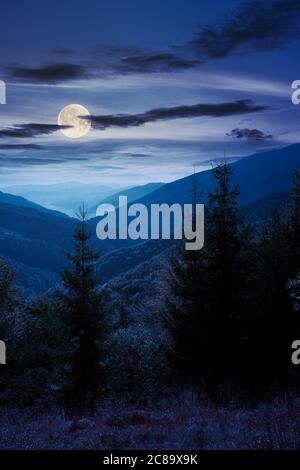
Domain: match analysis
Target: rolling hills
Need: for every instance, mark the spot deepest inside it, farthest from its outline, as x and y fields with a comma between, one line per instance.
x=33, y=239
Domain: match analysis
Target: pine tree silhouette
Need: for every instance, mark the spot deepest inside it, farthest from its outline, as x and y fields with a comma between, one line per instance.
x=185, y=316
x=210, y=291
x=295, y=225
x=229, y=281
x=275, y=320
x=85, y=316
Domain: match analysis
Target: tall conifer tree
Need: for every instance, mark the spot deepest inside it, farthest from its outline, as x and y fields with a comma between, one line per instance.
x=295, y=225
x=86, y=319
x=186, y=307
x=229, y=279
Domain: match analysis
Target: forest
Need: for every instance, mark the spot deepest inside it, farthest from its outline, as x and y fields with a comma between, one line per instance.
x=207, y=346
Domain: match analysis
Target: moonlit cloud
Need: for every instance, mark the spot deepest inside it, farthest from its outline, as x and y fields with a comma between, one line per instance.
x=252, y=135
x=30, y=130
x=53, y=73
x=255, y=26
x=160, y=102
x=177, y=112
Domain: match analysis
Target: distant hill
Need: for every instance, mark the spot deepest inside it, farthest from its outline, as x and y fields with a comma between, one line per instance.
x=34, y=240
x=123, y=262
x=132, y=194
x=265, y=180
x=65, y=197
x=133, y=275
x=127, y=258
x=20, y=201
x=257, y=175
x=264, y=209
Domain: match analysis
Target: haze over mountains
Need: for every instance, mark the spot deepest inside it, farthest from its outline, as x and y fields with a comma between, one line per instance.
x=6, y=198
x=67, y=197
x=133, y=194
x=33, y=238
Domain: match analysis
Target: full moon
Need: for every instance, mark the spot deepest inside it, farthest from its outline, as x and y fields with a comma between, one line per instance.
x=77, y=117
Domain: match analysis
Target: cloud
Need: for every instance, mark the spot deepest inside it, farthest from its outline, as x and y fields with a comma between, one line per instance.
x=30, y=130
x=256, y=26
x=149, y=63
x=41, y=160
x=119, y=62
x=12, y=161
x=53, y=73
x=106, y=167
x=177, y=112
x=135, y=155
x=20, y=146
x=252, y=135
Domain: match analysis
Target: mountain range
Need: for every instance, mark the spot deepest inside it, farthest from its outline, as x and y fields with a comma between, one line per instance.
x=67, y=197
x=33, y=238
x=64, y=197
x=257, y=175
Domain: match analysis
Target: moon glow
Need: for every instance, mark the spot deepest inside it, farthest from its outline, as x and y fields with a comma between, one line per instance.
x=71, y=115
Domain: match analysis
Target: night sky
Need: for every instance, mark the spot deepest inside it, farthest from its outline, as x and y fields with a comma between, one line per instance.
x=170, y=85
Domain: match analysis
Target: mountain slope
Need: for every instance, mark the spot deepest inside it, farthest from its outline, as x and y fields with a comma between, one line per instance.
x=6, y=198
x=66, y=197
x=143, y=268
x=257, y=175
x=132, y=194
x=35, y=240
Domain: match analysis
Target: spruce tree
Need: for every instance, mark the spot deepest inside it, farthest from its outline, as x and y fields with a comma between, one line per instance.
x=8, y=301
x=294, y=282
x=85, y=314
x=295, y=226
x=10, y=331
x=276, y=319
x=185, y=315
x=7, y=277
x=229, y=280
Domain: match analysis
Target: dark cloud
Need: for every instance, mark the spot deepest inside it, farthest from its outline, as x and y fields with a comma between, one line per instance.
x=163, y=114
x=252, y=135
x=11, y=161
x=106, y=167
x=136, y=155
x=111, y=50
x=149, y=63
x=256, y=26
x=28, y=160
x=30, y=130
x=116, y=63
x=53, y=73
x=20, y=146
